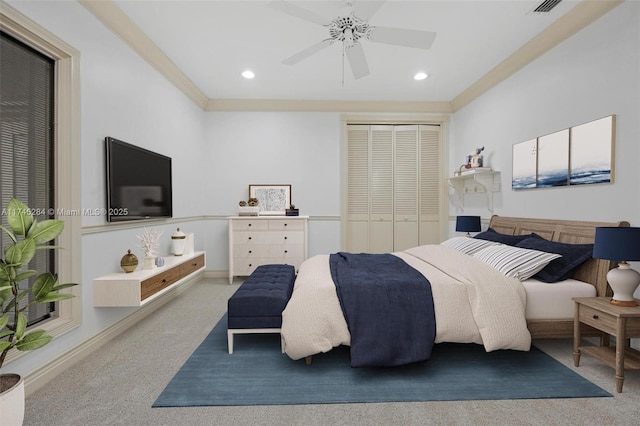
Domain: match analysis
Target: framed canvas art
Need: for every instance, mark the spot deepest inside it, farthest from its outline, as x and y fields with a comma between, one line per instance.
x=272, y=199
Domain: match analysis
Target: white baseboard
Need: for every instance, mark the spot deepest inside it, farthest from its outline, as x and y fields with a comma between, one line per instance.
x=43, y=375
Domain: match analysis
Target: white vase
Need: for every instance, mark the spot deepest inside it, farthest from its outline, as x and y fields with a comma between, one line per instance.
x=12, y=400
x=178, y=239
x=149, y=262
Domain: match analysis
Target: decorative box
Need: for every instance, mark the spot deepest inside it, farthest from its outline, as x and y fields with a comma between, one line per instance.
x=292, y=212
x=248, y=211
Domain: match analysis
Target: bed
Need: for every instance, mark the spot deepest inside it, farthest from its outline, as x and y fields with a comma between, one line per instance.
x=502, y=313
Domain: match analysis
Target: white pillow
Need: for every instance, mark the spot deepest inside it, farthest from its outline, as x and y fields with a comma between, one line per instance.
x=515, y=262
x=467, y=245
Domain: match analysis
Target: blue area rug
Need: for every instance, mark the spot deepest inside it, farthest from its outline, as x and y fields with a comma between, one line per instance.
x=259, y=374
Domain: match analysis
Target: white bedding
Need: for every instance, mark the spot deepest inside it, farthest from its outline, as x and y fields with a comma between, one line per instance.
x=473, y=304
x=552, y=301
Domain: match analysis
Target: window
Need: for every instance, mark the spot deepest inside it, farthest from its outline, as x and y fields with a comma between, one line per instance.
x=26, y=144
x=65, y=157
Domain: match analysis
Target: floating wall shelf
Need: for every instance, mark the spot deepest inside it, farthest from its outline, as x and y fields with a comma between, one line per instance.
x=486, y=182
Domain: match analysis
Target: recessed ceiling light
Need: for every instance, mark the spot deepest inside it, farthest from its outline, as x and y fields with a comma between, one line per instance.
x=248, y=74
x=420, y=76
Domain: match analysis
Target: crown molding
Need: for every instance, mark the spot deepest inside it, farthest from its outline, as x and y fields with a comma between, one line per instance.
x=326, y=106
x=120, y=24
x=564, y=27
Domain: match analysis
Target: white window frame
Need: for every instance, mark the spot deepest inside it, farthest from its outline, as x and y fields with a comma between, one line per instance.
x=66, y=157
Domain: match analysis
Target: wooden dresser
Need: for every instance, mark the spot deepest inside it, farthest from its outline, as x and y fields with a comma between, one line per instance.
x=263, y=240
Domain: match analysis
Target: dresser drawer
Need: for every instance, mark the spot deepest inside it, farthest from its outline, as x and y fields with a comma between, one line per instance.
x=286, y=225
x=285, y=251
x=286, y=237
x=251, y=250
x=252, y=237
x=250, y=225
x=598, y=319
x=156, y=283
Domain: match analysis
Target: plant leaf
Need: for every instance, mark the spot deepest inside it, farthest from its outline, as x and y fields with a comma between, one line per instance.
x=9, y=233
x=45, y=231
x=43, y=285
x=26, y=274
x=53, y=297
x=4, y=320
x=19, y=217
x=34, y=340
x=21, y=325
x=63, y=286
x=6, y=333
x=20, y=253
x=4, y=345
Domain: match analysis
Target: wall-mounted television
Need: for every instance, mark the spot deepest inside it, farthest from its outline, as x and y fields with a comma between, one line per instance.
x=138, y=182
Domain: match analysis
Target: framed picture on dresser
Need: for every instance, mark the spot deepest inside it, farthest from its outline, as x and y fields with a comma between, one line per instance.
x=272, y=199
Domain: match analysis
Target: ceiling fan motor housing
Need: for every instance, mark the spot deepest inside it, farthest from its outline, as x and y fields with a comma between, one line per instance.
x=349, y=29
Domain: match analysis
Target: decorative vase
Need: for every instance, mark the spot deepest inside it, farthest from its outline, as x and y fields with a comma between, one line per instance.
x=129, y=262
x=178, y=239
x=149, y=262
x=12, y=399
x=159, y=261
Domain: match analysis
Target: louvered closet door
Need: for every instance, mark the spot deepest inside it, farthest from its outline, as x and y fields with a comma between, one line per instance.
x=430, y=187
x=381, y=194
x=357, y=189
x=405, y=188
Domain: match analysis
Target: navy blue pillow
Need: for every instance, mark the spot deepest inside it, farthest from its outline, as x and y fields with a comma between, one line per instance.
x=573, y=255
x=510, y=240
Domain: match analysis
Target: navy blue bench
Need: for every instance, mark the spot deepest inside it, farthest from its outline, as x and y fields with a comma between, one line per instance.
x=257, y=305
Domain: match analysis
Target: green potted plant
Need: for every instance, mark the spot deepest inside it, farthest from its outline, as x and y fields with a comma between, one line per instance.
x=26, y=235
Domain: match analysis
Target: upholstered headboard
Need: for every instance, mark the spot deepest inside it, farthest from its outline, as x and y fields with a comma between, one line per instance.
x=594, y=271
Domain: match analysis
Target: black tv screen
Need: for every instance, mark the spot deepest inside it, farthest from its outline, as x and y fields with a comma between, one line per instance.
x=138, y=182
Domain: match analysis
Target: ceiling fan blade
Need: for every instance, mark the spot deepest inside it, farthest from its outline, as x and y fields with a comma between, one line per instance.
x=403, y=37
x=357, y=60
x=366, y=9
x=292, y=60
x=298, y=12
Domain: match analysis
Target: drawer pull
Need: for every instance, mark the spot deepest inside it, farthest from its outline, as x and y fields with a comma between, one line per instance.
x=285, y=224
x=249, y=225
x=249, y=237
x=285, y=238
x=164, y=280
x=250, y=252
x=286, y=251
x=595, y=317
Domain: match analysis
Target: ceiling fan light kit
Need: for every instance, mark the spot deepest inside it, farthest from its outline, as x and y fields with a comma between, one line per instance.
x=350, y=27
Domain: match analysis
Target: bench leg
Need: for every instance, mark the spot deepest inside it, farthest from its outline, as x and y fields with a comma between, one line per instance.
x=307, y=360
x=281, y=343
x=230, y=341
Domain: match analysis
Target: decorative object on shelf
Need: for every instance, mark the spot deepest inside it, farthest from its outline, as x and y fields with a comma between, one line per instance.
x=149, y=240
x=620, y=244
x=253, y=202
x=292, y=211
x=242, y=203
x=272, y=199
x=159, y=261
x=178, y=240
x=475, y=158
x=468, y=224
x=129, y=262
x=20, y=288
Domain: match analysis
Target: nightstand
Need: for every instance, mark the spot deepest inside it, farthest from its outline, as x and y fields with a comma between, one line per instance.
x=621, y=322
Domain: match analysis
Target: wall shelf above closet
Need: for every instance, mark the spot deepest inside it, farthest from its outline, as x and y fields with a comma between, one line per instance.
x=485, y=182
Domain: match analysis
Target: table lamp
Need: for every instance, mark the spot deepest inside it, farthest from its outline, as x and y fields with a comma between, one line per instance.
x=468, y=224
x=621, y=244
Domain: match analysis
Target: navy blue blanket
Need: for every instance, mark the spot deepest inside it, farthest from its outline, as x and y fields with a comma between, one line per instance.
x=388, y=307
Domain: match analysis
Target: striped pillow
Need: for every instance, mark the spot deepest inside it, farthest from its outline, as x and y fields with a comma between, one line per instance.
x=515, y=262
x=467, y=245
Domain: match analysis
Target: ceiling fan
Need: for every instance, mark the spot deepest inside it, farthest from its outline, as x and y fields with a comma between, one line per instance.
x=350, y=27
